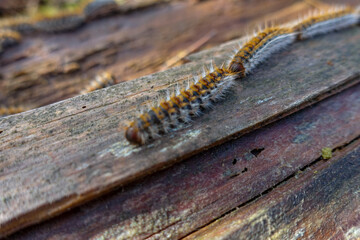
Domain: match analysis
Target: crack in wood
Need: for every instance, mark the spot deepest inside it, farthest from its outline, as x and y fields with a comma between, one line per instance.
x=342, y=147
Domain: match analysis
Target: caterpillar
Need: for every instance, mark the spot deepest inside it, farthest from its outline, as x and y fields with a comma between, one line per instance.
x=357, y=12
x=331, y=20
x=5, y=111
x=18, y=24
x=102, y=80
x=259, y=48
x=8, y=38
x=60, y=23
x=178, y=109
x=98, y=8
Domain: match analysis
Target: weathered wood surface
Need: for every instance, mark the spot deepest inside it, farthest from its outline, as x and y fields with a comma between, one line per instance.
x=58, y=156
x=177, y=201
x=322, y=202
x=46, y=68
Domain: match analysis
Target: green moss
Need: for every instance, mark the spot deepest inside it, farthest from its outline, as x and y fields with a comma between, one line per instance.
x=326, y=153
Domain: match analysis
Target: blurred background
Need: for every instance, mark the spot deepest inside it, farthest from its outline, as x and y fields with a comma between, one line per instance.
x=127, y=39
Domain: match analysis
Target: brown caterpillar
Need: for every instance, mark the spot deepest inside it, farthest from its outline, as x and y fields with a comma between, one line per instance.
x=259, y=48
x=181, y=107
x=328, y=21
x=18, y=24
x=8, y=38
x=99, y=8
x=102, y=80
x=61, y=23
x=5, y=111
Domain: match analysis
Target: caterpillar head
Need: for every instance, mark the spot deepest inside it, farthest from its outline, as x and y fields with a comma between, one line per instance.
x=133, y=135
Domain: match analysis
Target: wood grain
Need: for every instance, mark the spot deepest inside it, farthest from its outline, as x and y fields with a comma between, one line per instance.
x=320, y=203
x=58, y=156
x=177, y=201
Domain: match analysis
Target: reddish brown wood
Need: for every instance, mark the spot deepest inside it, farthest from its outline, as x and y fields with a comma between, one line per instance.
x=320, y=203
x=59, y=156
x=177, y=201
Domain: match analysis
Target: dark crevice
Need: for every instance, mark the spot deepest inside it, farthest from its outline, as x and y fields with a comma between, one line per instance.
x=346, y=144
x=153, y=234
x=273, y=187
x=257, y=151
x=233, y=162
x=235, y=175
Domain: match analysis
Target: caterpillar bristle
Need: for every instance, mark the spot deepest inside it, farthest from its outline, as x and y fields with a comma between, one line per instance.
x=102, y=80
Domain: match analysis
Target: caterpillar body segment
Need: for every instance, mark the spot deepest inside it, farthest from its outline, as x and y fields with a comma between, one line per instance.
x=325, y=22
x=6, y=111
x=18, y=24
x=102, y=80
x=8, y=38
x=61, y=23
x=259, y=48
x=237, y=63
x=179, y=109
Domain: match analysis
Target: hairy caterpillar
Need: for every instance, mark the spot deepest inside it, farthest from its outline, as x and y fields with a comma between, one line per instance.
x=357, y=12
x=61, y=23
x=178, y=109
x=102, y=80
x=98, y=8
x=5, y=111
x=8, y=38
x=19, y=24
x=335, y=19
x=259, y=48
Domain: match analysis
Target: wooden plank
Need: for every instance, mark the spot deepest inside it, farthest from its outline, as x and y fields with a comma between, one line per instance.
x=58, y=156
x=61, y=155
x=177, y=201
x=320, y=203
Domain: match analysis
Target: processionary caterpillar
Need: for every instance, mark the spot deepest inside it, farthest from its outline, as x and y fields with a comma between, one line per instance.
x=61, y=23
x=5, y=111
x=18, y=24
x=259, y=48
x=8, y=38
x=102, y=80
x=327, y=21
x=178, y=109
